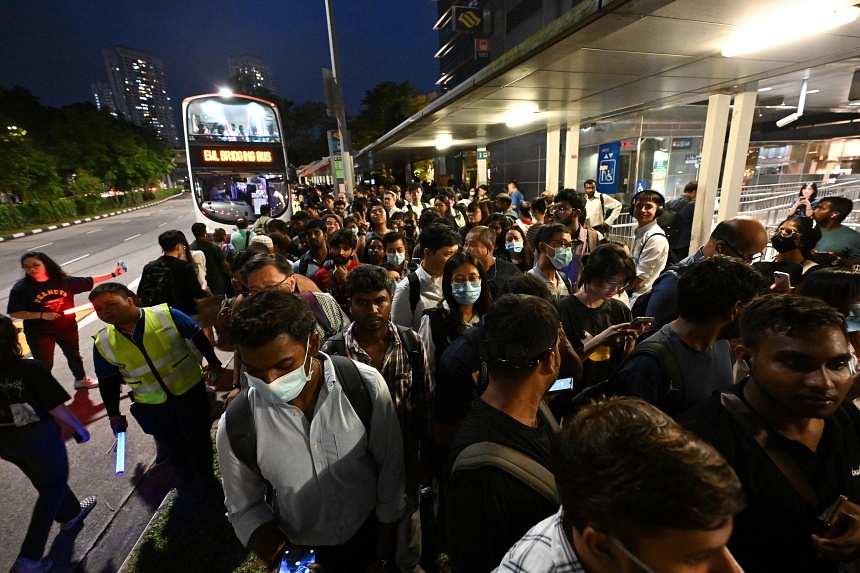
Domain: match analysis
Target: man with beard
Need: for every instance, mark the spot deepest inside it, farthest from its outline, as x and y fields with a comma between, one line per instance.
x=332, y=277
x=312, y=261
x=568, y=209
x=711, y=295
x=601, y=209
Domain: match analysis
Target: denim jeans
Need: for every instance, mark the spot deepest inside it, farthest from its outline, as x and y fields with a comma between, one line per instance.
x=39, y=450
x=42, y=347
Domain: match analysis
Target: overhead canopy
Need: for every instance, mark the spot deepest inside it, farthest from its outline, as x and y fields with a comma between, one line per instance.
x=596, y=65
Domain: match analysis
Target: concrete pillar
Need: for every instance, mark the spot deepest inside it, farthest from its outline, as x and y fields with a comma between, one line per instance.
x=482, y=165
x=709, y=174
x=571, y=156
x=553, y=155
x=736, y=152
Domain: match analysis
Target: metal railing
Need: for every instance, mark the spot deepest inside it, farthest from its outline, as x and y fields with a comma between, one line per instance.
x=767, y=203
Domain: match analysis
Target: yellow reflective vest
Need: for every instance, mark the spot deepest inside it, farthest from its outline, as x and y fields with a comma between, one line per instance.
x=176, y=367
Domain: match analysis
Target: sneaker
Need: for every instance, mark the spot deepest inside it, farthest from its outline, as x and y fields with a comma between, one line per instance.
x=24, y=565
x=86, y=383
x=87, y=505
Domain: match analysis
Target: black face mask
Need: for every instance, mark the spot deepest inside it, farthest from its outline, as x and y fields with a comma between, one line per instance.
x=783, y=244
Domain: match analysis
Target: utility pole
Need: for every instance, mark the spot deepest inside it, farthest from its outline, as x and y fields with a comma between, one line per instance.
x=333, y=84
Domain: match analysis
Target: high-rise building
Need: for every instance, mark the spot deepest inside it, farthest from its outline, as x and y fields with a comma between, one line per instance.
x=140, y=90
x=251, y=71
x=103, y=96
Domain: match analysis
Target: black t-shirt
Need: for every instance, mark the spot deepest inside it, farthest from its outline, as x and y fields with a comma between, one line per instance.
x=28, y=382
x=185, y=283
x=49, y=296
x=487, y=509
x=580, y=321
x=773, y=532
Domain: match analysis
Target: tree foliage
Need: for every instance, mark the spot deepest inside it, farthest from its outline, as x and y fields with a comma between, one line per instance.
x=50, y=145
x=384, y=107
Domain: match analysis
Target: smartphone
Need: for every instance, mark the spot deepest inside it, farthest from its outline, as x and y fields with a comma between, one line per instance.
x=297, y=560
x=641, y=320
x=781, y=280
x=830, y=516
x=561, y=384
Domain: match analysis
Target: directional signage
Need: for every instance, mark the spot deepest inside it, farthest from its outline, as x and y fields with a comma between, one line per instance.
x=483, y=154
x=608, y=157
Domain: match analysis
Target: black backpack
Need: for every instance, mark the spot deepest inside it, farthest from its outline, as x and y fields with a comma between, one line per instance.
x=157, y=285
x=671, y=386
x=242, y=434
x=666, y=220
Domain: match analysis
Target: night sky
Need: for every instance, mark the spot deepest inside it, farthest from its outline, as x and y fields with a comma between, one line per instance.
x=53, y=48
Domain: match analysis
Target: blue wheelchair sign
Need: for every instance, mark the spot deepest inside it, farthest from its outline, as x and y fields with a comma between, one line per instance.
x=607, y=167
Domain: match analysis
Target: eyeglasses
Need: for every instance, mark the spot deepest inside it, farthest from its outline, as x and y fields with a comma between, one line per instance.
x=747, y=258
x=268, y=287
x=520, y=363
x=612, y=285
x=562, y=244
x=788, y=233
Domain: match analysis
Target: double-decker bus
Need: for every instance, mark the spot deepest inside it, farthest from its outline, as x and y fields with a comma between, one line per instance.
x=237, y=160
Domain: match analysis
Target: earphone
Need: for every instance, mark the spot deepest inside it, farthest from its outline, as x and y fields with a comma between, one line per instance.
x=660, y=200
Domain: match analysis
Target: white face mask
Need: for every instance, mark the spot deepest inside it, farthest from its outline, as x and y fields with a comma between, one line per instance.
x=283, y=388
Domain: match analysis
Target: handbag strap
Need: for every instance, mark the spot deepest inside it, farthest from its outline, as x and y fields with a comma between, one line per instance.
x=752, y=426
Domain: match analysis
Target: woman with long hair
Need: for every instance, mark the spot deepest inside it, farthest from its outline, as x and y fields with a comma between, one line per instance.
x=516, y=250
x=806, y=201
x=41, y=300
x=31, y=403
x=466, y=298
x=793, y=242
x=477, y=213
x=377, y=217
x=500, y=224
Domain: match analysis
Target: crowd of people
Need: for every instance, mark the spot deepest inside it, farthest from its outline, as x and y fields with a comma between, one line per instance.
x=394, y=356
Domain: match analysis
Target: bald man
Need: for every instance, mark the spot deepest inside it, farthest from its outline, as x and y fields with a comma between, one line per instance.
x=742, y=238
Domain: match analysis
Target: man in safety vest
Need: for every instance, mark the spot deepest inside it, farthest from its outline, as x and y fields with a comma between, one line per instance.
x=146, y=349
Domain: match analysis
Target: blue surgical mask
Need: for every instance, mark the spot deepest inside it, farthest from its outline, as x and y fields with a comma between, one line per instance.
x=283, y=388
x=562, y=257
x=514, y=246
x=467, y=292
x=395, y=258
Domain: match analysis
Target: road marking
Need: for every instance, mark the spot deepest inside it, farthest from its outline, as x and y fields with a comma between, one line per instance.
x=94, y=231
x=132, y=237
x=74, y=260
x=40, y=246
x=179, y=217
x=163, y=224
x=146, y=215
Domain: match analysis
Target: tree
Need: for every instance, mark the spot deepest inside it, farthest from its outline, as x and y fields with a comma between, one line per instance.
x=305, y=127
x=384, y=107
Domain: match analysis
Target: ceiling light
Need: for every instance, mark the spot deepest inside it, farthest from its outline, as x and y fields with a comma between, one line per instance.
x=764, y=89
x=225, y=92
x=444, y=141
x=812, y=92
x=787, y=25
x=522, y=114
